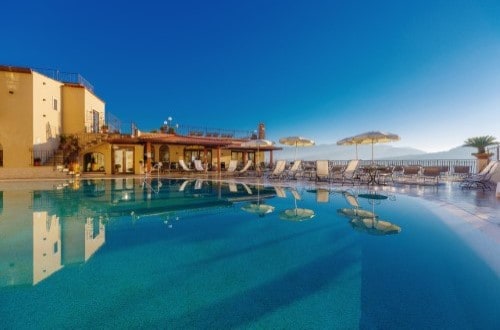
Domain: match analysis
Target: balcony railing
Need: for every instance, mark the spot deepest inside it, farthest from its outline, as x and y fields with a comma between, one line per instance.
x=447, y=165
x=66, y=77
x=495, y=150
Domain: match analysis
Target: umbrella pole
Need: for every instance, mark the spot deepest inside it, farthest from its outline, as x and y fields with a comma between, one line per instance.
x=372, y=151
x=357, y=151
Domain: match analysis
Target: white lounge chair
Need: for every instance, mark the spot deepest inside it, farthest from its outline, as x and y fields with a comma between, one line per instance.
x=278, y=170
x=349, y=173
x=322, y=171
x=231, y=169
x=232, y=166
x=183, y=165
x=294, y=170
x=198, y=165
x=482, y=179
x=245, y=168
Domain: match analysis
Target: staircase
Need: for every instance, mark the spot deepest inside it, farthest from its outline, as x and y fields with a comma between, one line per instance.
x=86, y=141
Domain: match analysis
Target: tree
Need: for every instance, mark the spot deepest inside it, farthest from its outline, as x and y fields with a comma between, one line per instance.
x=70, y=148
x=480, y=142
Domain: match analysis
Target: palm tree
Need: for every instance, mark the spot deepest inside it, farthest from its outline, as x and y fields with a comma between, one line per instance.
x=480, y=142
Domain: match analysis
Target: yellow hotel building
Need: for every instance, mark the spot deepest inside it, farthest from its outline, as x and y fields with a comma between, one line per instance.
x=38, y=107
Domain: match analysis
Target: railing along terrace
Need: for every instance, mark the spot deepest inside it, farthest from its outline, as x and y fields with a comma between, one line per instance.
x=42, y=157
x=66, y=77
x=495, y=150
x=446, y=164
x=188, y=130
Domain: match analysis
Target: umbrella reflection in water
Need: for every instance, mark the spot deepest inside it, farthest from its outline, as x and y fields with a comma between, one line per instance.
x=369, y=222
x=256, y=207
x=296, y=214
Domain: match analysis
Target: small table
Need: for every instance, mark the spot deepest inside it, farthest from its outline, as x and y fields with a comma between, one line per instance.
x=372, y=172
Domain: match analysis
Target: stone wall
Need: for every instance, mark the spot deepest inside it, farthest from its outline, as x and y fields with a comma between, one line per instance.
x=33, y=172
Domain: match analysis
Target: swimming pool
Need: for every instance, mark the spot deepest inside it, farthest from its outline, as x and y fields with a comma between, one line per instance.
x=111, y=253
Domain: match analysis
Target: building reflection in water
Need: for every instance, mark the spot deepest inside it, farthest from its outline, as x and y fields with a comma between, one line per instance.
x=36, y=240
x=44, y=228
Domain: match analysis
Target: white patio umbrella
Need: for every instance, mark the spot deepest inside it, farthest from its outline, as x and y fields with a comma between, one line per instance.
x=348, y=142
x=297, y=141
x=257, y=144
x=371, y=137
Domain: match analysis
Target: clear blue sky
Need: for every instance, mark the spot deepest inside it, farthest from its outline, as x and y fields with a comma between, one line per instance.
x=426, y=70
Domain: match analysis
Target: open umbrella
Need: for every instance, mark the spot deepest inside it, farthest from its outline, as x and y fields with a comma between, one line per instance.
x=369, y=138
x=348, y=142
x=257, y=143
x=297, y=141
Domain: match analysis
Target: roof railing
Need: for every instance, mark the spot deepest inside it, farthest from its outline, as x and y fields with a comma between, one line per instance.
x=494, y=150
x=66, y=77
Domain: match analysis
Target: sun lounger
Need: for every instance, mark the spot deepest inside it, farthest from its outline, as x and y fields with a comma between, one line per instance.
x=430, y=173
x=198, y=166
x=322, y=170
x=245, y=168
x=232, y=167
x=278, y=170
x=294, y=170
x=184, y=167
x=481, y=180
x=410, y=174
x=350, y=172
x=461, y=172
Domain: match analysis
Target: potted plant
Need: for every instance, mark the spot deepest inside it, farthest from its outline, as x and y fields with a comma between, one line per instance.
x=481, y=142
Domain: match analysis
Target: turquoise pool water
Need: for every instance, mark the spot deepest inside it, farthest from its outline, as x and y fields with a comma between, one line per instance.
x=206, y=254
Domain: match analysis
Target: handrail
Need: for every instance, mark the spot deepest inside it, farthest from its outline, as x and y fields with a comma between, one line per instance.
x=495, y=151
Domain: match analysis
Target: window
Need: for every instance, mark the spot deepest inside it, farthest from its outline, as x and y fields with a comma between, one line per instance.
x=54, y=103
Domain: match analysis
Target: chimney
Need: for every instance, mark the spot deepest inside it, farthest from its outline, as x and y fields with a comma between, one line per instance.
x=262, y=131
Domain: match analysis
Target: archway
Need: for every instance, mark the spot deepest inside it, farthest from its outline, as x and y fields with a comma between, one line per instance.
x=165, y=155
x=93, y=162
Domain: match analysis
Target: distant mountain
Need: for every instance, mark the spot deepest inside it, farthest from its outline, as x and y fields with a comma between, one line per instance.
x=380, y=151
x=455, y=153
x=335, y=152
